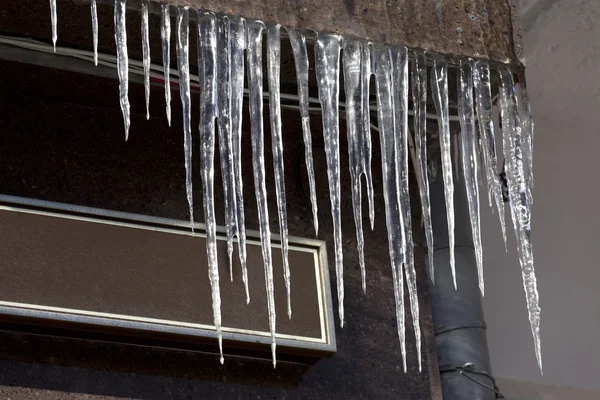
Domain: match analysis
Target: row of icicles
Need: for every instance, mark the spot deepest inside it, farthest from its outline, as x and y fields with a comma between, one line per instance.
x=221, y=63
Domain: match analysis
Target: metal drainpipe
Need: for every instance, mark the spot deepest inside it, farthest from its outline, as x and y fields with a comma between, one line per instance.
x=458, y=320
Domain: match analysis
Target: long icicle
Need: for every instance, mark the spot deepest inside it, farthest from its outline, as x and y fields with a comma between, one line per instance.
x=298, y=42
x=146, y=54
x=519, y=200
x=327, y=55
x=382, y=67
x=470, y=159
x=94, y=12
x=224, y=124
x=365, y=133
x=354, y=124
x=207, y=73
x=238, y=45
x=254, y=54
x=419, y=95
x=53, y=22
x=273, y=62
x=183, y=64
x=439, y=90
x=483, y=101
x=122, y=62
x=165, y=35
x=400, y=101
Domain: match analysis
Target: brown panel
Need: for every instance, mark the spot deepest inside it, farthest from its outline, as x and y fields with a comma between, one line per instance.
x=142, y=272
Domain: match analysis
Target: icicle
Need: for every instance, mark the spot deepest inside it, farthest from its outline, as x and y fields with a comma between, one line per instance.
x=254, y=54
x=519, y=200
x=273, y=61
x=400, y=101
x=146, y=54
x=365, y=132
x=483, y=100
x=419, y=94
x=440, y=98
x=470, y=159
x=183, y=64
x=94, y=12
x=354, y=124
x=298, y=42
x=528, y=128
x=53, y=20
x=327, y=55
x=238, y=45
x=122, y=61
x=207, y=74
x=224, y=107
x=382, y=67
x=165, y=35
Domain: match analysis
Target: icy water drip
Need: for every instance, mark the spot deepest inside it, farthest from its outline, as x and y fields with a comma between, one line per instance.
x=146, y=54
x=519, y=199
x=470, y=159
x=400, y=101
x=273, y=62
x=165, y=36
x=419, y=95
x=327, y=55
x=483, y=101
x=382, y=67
x=94, y=12
x=365, y=132
x=207, y=74
x=183, y=64
x=354, y=123
x=439, y=89
x=53, y=22
x=298, y=43
x=224, y=125
x=255, y=84
x=122, y=62
x=237, y=47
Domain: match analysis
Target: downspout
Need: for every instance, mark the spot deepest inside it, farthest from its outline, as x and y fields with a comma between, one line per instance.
x=458, y=320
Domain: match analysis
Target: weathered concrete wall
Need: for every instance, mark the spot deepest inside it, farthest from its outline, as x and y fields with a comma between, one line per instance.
x=488, y=29
x=475, y=28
